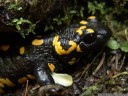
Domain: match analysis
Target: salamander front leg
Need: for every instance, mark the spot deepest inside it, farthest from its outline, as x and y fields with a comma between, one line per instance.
x=44, y=78
x=43, y=75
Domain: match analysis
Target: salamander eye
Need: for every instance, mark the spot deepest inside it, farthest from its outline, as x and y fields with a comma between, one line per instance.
x=89, y=36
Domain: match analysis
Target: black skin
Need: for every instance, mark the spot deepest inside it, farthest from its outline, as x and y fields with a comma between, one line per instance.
x=36, y=58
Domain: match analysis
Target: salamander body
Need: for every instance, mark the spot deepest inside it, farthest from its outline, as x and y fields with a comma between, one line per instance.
x=52, y=53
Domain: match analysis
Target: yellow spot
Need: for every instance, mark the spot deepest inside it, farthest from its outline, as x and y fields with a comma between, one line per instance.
x=79, y=30
x=78, y=49
x=90, y=30
x=73, y=47
x=2, y=85
x=31, y=77
x=59, y=48
x=51, y=66
x=56, y=38
x=73, y=60
x=37, y=42
x=1, y=91
x=82, y=27
x=83, y=22
x=91, y=17
x=22, y=50
x=4, y=47
x=7, y=82
x=22, y=80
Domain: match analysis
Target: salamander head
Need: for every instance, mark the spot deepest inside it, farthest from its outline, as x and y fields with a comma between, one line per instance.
x=93, y=38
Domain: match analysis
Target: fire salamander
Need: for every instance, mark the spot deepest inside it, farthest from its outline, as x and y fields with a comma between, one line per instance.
x=51, y=54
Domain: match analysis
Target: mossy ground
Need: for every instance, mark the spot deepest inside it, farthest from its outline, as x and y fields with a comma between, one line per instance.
x=107, y=73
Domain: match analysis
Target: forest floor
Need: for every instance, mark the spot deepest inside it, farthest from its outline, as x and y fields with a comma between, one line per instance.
x=107, y=73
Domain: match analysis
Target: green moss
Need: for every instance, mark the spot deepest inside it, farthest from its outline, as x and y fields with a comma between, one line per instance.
x=23, y=26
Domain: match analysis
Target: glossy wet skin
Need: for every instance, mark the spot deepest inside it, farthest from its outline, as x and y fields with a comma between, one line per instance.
x=96, y=36
x=53, y=53
x=88, y=39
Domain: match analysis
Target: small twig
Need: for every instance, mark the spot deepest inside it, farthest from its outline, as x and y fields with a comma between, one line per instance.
x=117, y=75
x=26, y=89
x=126, y=34
x=16, y=1
x=88, y=65
x=117, y=61
x=100, y=64
x=112, y=60
x=122, y=63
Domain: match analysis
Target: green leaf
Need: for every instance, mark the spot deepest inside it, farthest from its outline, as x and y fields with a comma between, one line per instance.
x=59, y=22
x=15, y=20
x=21, y=19
x=51, y=27
x=113, y=44
x=22, y=34
x=20, y=8
x=19, y=22
x=55, y=19
x=46, y=28
x=12, y=6
x=124, y=46
x=64, y=18
x=81, y=12
x=62, y=79
x=18, y=27
x=72, y=12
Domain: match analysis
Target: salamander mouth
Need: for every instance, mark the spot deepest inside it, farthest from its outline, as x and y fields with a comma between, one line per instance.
x=88, y=39
x=86, y=43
